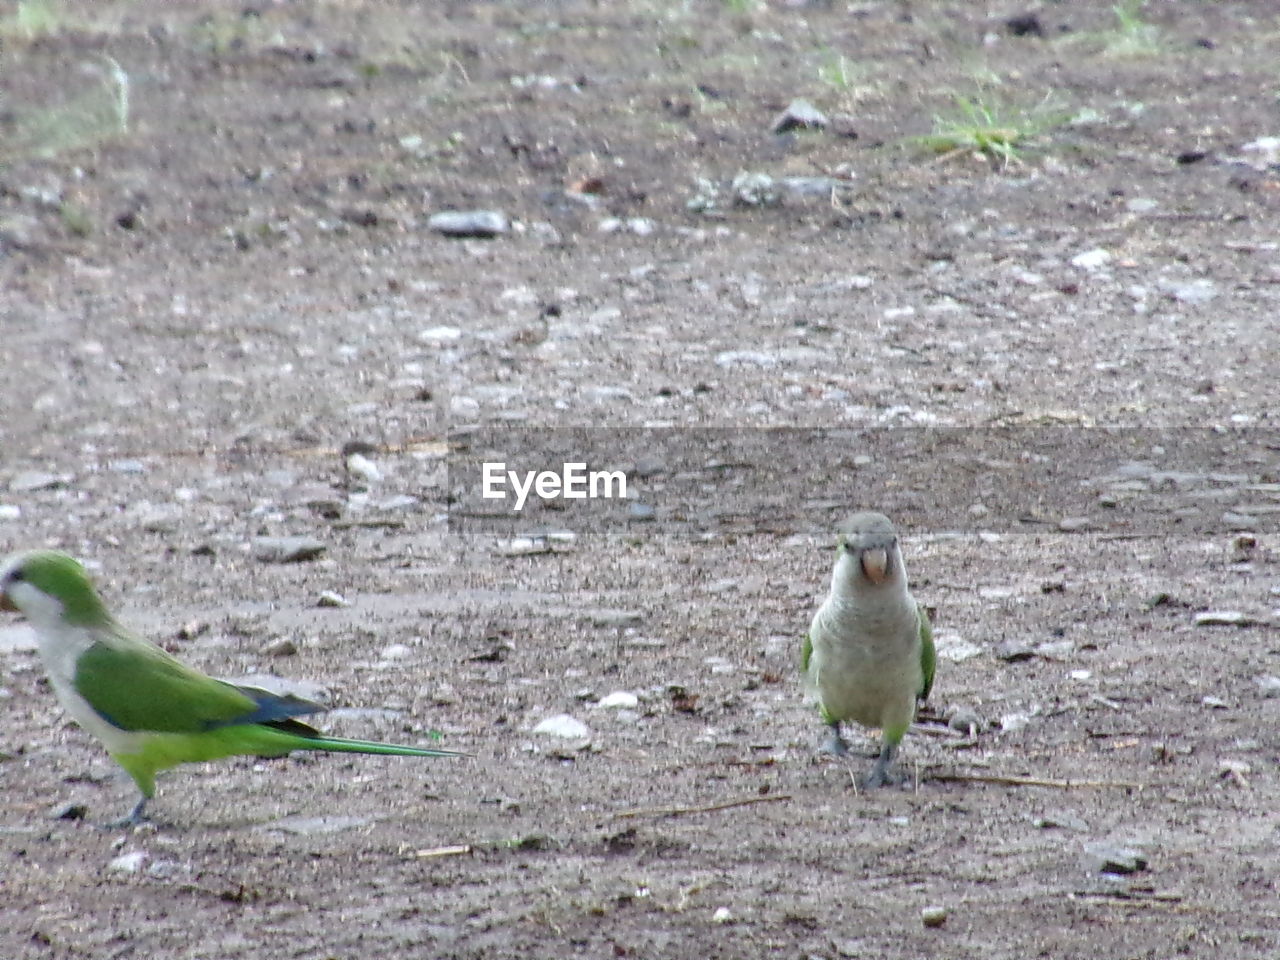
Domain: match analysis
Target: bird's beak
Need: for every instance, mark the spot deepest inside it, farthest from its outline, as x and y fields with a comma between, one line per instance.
x=875, y=564
x=7, y=604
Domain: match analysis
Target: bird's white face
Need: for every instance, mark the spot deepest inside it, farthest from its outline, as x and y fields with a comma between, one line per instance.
x=18, y=595
x=875, y=565
x=869, y=552
x=34, y=604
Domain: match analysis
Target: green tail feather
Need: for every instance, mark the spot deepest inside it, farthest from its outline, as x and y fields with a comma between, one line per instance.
x=341, y=745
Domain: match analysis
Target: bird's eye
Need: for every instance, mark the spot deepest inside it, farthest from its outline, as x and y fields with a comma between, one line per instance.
x=15, y=576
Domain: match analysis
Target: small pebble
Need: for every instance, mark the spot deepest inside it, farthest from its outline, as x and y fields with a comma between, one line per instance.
x=128, y=862
x=362, y=468
x=286, y=549
x=964, y=720
x=933, y=916
x=1236, y=768
x=1222, y=618
x=1111, y=858
x=1269, y=685
x=483, y=224
x=1091, y=259
x=284, y=647
x=32, y=481
x=69, y=811
x=800, y=114
x=565, y=726
x=1014, y=651
x=1061, y=820
x=331, y=599
x=640, y=512
x=616, y=618
x=722, y=915
x=619, y=699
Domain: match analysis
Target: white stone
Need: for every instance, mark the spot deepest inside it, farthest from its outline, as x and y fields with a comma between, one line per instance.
x=619, y=699
x=563, y=725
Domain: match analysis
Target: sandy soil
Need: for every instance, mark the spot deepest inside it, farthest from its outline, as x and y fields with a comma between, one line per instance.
x=206, y=300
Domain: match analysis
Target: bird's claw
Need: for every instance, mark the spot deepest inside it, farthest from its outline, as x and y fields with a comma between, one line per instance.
x=834, y=746
x=135, y=818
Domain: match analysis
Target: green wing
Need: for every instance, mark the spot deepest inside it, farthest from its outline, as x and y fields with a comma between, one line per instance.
x=806, y=651
x=928, y=654
x=138, y=687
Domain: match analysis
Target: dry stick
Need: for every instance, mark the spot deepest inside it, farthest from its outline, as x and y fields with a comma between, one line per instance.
x=457, y=850
x=710, y=808
x=1030, y=781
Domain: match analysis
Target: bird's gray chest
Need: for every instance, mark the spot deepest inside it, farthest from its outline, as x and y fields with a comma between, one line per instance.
x=865, y=660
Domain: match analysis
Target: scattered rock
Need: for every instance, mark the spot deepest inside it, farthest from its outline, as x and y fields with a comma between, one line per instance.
x=284, y=647
x=640, y=512
x=954, y=648
x=362, y=468
x=1074, y=524
x=722, y=915
x=69, y=811
x=1091, y=259
x=1269, y=686
x=619, y=699
x=1237, y=769
x=1060, y=819
x=813, y=188
x=933, y=916
x=482, y=224
x=1014, y=651
x=128, y=862
x=799, y=115
x=286, y=549
x=1025, y=25
x=565, y=726
x=754, y=190
x=730, y=358
x=10, y=511
x=1236, y=522
x=615, y=618
x=396, y=651
x=1262, y=153
x=331, y=599
x=526, y=547
x=1190, y=291
x=1223, y=618
x=440, y=334
x=1214, y=703
x=33, y=481
x=1112, y=858
x=965, y=720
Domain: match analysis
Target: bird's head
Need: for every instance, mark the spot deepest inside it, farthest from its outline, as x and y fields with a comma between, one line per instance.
x=49, y=587
x=868, y=550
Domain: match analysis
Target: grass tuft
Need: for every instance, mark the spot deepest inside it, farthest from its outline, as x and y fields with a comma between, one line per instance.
x=996, y=131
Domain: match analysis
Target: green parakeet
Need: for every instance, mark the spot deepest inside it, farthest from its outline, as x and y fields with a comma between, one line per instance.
x=869, y=653
x=149, y=710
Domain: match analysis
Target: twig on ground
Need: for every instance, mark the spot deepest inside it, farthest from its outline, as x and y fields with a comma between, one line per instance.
x=1009, y=781
x=709, y=808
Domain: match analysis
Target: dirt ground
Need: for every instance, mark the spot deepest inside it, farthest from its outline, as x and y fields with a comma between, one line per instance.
x=208, y=292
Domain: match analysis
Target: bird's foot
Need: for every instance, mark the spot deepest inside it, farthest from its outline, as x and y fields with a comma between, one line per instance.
x=883, y=773
x=834, y=745
x=136, y=817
